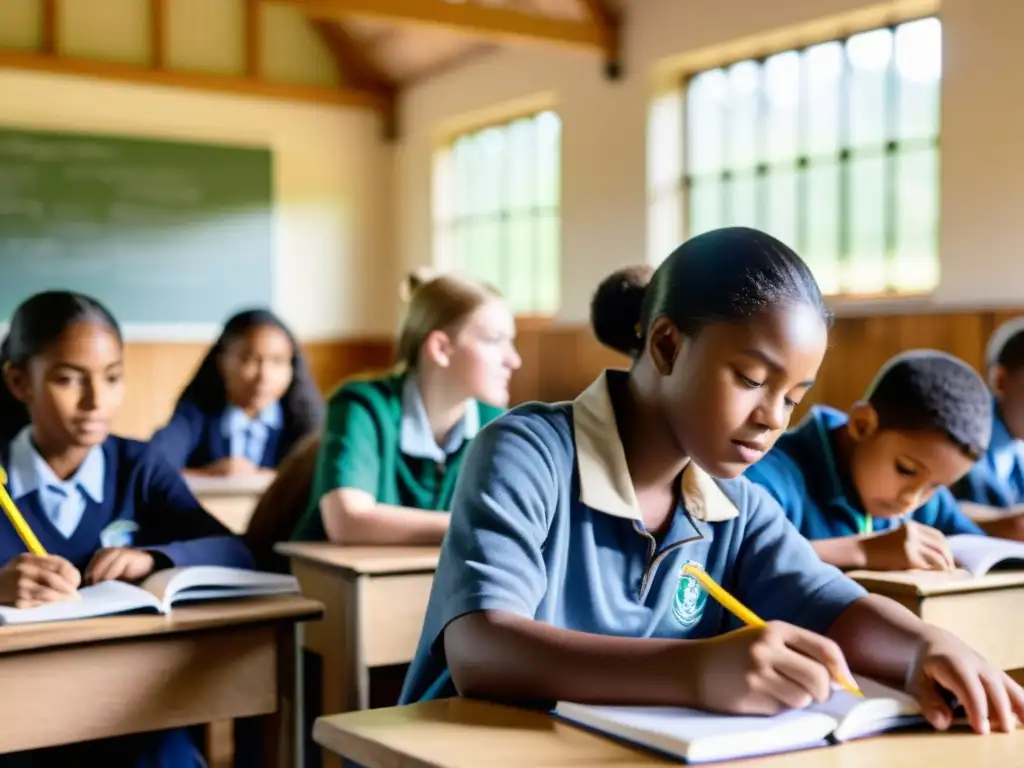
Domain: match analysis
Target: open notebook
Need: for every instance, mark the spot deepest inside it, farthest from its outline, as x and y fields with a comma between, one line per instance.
x=980, y=554
x=702, y=737
x=157, y=593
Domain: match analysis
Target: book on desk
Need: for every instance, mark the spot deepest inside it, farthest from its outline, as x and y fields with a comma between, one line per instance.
x=157, y=594
x=696, y=736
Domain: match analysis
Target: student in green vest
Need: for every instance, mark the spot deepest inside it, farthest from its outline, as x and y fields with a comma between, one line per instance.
x=393, y=446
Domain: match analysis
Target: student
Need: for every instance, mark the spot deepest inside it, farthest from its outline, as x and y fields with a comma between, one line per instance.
x=619, y=294
x=560, y=578
x=995, y=485
x=103, y=507
x=393, y=446
x=869, y=489
x=251, y=400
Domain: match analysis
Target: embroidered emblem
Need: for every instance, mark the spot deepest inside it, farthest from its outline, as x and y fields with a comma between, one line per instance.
x=120, y=533
x=688, y=604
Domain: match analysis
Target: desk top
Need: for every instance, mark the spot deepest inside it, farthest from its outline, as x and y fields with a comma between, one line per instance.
x=934, y=583
x=461, y=733
x=253, y=485
x=372, y=561
x=186, y=618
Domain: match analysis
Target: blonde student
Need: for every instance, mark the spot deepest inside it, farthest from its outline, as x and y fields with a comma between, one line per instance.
x=393, y=446
x=103, y=507
x=562, y=576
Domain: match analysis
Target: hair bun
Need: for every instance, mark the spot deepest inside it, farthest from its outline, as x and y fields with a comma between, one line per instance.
x=616, y=306
x=415, y=280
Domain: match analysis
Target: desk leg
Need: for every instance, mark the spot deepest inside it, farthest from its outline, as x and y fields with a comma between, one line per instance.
x=271, y=741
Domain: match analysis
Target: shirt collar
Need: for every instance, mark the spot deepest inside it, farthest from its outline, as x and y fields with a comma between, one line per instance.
x=28, y=471
x=236, y=420
x=605, y=483
x=417, y=437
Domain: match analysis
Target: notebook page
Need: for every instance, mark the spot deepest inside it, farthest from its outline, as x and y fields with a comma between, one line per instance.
x=978, y=554
x=698, y=736
x=104, y=599
x=882, y=708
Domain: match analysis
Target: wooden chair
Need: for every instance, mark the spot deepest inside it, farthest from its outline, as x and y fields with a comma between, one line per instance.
x=282, y=505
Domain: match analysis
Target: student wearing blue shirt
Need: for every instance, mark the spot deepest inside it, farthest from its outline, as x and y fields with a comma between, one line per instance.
x=560, y=577
x=103, y=507
x=251, y=400
x=870, y=489
x=994, y=486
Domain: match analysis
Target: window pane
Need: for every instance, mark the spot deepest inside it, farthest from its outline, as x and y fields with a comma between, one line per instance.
x=870, y=56
x=743, y=108
x=864, y=270
x=490, y=171
x=919, y=67
x=664, y=231
x=705, y=206
x=781, y=192
x=443, y=200
x=519, y=287
x=705, y=100
x=463, y=236
x=444, y=246
x=742, y=200
x=822, y=70
x=547, y=267
x=464, y=153
x=821, y=223
x=548, y=128
x=521, y=164
x=917, y=220
x=487, y=256
x=782, y=107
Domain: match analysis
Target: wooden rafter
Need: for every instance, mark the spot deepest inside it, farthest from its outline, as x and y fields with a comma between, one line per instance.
x=157, y=27
x=232, y=84
x=253, y=38
x=607, y=22
x=485, y=21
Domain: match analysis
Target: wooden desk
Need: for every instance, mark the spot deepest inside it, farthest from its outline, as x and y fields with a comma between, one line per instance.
x=374, y=601
x=461, y=733
x=230, y=499
x=985, y=612
x=116, y=675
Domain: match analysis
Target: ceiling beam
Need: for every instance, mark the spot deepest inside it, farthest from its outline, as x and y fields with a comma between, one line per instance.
x=231, y=84
x=354, y=61
x=608, y=22
x=485, y=21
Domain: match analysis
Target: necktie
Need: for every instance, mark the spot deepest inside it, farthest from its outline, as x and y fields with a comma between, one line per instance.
x=66, y=513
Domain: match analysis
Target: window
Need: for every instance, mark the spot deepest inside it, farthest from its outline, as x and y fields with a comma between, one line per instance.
x=831, y=148
x=496, y=209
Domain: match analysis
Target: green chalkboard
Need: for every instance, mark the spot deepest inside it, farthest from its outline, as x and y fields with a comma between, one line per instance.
x=162, y=232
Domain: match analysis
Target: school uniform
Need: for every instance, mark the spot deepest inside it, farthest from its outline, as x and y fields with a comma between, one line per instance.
x=123, y=495
x=546, y=525
x=997, y=479
x=378, y=439
x=802, y=472
x=196, y=437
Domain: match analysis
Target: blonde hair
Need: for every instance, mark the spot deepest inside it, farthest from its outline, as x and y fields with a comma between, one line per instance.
x=437, y=302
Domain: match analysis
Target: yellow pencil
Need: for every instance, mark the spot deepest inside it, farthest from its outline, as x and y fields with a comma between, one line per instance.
x=14, y=515
x=741, y=612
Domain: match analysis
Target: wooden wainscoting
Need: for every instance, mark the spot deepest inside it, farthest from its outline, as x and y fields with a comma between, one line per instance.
x=156, y=372
x=559, y=361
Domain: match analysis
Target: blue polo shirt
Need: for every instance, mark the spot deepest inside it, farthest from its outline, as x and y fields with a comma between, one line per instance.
x=997, y=479
x=804, y=476
x=546, y=525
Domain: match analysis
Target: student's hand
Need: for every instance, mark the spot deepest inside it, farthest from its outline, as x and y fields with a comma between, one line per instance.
x=764, y=671
x=989, y=697
x=911, y=546
x=30, y=580
x=232, y=466
x=119, y=564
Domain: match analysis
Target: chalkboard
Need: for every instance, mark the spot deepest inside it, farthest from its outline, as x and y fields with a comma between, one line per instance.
x=161, y=232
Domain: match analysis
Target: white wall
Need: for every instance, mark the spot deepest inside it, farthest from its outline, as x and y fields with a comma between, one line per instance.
x=604, y=210
x=332, y=171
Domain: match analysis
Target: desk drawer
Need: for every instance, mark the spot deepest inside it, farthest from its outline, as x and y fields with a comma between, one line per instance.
x=393, y=608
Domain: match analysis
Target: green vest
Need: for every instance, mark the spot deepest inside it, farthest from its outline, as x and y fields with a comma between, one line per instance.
x=361, y=449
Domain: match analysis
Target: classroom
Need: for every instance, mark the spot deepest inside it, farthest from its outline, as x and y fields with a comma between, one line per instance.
x=413, y=382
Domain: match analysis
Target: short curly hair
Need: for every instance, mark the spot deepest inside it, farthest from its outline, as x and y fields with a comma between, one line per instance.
x=925, y=389
x=620, y=296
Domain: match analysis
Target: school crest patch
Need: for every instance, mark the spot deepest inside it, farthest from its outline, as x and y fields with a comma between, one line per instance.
x=688, y=604
x=120, y=533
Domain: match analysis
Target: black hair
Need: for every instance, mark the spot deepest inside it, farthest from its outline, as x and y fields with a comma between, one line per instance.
x=725, y=275
x=302, y=403
x=1006, y=346
x=926, y=389
x=617, y=302
x=38, y=322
